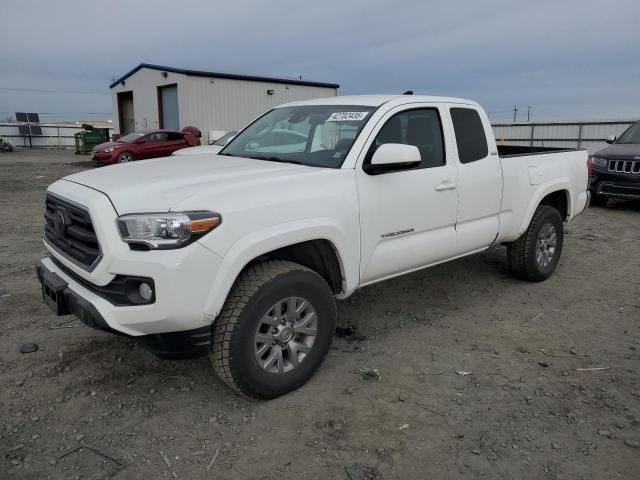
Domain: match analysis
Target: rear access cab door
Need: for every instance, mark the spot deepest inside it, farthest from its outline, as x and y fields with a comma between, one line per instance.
x=480, y=178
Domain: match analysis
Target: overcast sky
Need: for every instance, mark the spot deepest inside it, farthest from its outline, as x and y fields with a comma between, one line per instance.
x=568, y=59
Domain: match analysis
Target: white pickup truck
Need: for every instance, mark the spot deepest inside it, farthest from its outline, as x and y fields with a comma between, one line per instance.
x=240, y=255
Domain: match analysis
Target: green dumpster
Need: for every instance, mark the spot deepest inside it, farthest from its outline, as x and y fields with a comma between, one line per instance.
x=89, y=138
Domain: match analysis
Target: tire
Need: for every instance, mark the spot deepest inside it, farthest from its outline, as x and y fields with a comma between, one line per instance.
x=526, y=256
x=125, y=157
x=598, y=201
x=262, y=294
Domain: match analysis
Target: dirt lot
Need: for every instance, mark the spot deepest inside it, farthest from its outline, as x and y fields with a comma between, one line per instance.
x=89, y=405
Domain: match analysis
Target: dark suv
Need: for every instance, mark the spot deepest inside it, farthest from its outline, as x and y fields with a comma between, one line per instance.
x=616, y=169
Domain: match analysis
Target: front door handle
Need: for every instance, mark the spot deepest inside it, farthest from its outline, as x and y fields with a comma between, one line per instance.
x=446, y=186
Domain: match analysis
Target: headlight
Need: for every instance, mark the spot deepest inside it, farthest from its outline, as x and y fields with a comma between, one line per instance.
x=111, y=149
x=166, y=230
x=599, y=162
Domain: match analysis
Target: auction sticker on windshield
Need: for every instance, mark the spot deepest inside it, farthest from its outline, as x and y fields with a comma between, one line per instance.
x=347, y=116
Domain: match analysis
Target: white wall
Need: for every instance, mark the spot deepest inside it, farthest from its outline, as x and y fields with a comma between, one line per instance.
x=208, y=103
x=224, y=104
x=144, y=85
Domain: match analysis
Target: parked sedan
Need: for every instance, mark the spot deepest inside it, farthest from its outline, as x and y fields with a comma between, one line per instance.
x=213, y=147
x=142, y=145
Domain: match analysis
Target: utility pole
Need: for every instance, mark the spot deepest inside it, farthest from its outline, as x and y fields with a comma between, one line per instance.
x=515, y=113
x=528, y=114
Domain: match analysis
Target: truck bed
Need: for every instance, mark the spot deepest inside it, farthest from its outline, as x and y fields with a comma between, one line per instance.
x=506, y=151
x=529, y=174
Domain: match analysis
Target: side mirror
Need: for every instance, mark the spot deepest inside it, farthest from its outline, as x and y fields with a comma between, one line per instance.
x=391, y=157
x=611, y=138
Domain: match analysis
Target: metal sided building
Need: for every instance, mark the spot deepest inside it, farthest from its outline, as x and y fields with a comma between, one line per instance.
x=153, y=96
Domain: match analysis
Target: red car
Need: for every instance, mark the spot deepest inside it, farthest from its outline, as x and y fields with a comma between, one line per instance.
x=143, y=144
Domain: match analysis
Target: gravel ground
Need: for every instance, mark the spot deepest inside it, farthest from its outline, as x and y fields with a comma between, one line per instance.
x=89, y=405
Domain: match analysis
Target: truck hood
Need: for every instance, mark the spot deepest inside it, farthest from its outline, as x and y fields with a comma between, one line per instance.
x=197, y=150
x=164, y=184
x=620, y=151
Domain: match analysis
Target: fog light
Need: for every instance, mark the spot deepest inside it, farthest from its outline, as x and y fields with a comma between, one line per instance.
x=145, y=291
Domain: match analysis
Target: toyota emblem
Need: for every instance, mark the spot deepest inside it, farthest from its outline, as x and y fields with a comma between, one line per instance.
x=59, y=221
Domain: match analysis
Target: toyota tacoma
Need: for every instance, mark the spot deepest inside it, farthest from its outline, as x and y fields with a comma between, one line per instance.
x=240, y=255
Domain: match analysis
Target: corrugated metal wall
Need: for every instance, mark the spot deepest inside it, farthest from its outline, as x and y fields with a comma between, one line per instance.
x=53, y=136
x=589, y=135
x=208, y=103
x=222, y=104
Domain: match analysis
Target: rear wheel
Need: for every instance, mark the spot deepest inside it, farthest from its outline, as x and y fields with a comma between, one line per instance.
x=534, y=256
x=274, y=330
x=125, y=157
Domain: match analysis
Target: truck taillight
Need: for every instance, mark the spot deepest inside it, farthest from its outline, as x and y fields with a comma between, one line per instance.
x=589, y=167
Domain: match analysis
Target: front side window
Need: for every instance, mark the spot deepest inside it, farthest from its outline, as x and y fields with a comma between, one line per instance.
x=313, y=135
x=156, y=137
x=421, y=128
x=470, y=136
x=630, y=135
x=174, y=136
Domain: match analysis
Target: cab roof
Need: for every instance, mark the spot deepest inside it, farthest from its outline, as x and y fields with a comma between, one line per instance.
x=377, y=100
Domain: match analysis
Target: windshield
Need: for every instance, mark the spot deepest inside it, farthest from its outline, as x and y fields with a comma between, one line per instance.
x=630, y=135
x=132, y=137
x=313, y=135
x=223, y=140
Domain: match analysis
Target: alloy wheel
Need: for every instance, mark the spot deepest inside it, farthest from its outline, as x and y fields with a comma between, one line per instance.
x=546, y=244
x=285, y=335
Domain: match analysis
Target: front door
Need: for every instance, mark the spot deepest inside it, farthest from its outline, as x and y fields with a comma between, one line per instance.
x=168, y=97
x=408, y=217
x=126, y=114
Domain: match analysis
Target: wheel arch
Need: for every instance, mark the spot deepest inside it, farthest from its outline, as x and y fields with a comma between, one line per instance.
x=556, y=195
x=320, y=249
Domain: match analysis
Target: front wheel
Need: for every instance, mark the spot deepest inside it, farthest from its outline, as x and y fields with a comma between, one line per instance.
x=125, y=157
x=534, y=256
x=274, y=329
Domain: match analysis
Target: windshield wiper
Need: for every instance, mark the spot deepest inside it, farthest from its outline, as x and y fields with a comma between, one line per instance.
x=275, y=159
x=268, y=159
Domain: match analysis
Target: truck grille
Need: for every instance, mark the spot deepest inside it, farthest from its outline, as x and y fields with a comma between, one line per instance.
x=624, y=166
x=69, y=230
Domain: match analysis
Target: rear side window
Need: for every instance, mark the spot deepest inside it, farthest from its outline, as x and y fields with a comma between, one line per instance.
x=470, y=136
x=419, y=127
x=173, y=136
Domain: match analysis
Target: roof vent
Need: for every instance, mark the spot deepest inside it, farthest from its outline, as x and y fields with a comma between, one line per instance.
x=408, y=92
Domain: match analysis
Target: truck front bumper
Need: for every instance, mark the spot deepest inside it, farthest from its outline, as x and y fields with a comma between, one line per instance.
x=615, y=185
x=181, y=280
x=67, y=295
